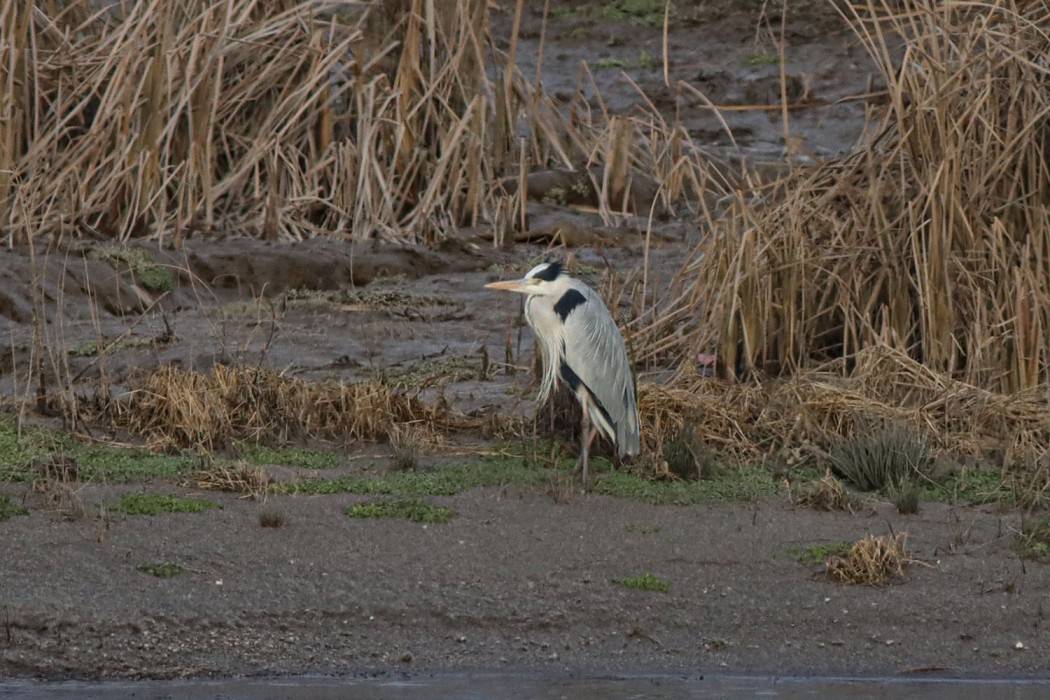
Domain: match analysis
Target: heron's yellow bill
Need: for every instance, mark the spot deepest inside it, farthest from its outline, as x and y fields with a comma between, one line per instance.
x=509, y=285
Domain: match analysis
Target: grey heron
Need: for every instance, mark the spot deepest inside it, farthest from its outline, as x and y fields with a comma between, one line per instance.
x=583, y=349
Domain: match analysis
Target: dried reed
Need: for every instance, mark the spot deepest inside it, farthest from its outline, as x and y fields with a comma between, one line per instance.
x=932, y=239
x=174, y=408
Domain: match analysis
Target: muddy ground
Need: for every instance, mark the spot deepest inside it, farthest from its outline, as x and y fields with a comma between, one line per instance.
x=519, y=579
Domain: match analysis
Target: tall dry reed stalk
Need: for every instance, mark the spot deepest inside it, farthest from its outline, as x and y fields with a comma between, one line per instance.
x=283, y=121
x=932, y=239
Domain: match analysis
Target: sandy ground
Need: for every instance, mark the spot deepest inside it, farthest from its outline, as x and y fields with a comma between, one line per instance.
x=518, y=581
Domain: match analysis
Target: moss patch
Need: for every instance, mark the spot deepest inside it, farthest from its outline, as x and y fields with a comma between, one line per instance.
x=95, y=461
x=408, y=508
x=164, y=569
x=645, y=582
x=254, y=453
x=820, y=553
x=152, y=276
x=742, y=484
x=157, y=503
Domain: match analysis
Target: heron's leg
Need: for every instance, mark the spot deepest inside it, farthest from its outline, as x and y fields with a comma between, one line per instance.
x=585, y=441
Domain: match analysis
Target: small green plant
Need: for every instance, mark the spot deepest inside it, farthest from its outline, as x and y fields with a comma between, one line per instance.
x=602, y=63
x=906, y=497
x=164, y=569
x=645, y=582
x=884, y=460
x=153, y=277
x=763, y=59
x=9, y=509
x=272, y=518
x=157, y=503
x=1033, y=541
x=408, y=508
x=820, y=553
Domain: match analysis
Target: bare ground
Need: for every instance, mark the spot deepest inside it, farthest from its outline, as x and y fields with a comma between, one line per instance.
x=519, y=580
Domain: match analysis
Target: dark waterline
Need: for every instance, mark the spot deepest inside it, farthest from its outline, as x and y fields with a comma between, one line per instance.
x=534, y=687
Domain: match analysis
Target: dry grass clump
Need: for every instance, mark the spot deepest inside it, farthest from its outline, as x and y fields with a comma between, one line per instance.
x=872, y=561
x=814, y=410
x=930, y=240
x=828, y=494
x=238, y=477
x=175, y=408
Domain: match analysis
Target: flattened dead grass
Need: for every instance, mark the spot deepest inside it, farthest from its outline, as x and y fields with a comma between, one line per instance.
x=239, y=477
x=176, y=408
x=828, y=494
x=808, y=411
x=872, y=561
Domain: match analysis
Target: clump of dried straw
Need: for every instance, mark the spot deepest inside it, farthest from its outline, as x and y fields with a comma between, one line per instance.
x=238, y=477
x=175, y=408
x=873, y=561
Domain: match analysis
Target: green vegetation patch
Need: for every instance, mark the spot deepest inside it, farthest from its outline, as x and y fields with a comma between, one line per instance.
x=164, y=569
x=820, y=553
x=734, y=485
x=763, y=59
x=645, y=582
x=94, y=461
x=9, y=509
x=157, y=503
x=413, y=509
x=1033, y=541
x=152, y=276
x=257, y=454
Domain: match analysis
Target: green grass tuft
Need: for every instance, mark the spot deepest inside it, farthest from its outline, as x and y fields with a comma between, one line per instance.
x=408, y=508
x=164, y=569
x=9, y=509
x=157, y=503
x=820, y=553
x=742, y=484
x=645, y=582
x=254, y=453
x=95, y=461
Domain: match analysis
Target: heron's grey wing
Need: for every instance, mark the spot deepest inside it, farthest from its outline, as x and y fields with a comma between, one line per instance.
x=595, y=351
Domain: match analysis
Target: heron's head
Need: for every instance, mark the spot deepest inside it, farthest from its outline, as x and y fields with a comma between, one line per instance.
x=542, y=280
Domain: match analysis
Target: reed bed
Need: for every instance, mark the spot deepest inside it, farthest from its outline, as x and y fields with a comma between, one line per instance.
x=285, y=120
x=930, y=241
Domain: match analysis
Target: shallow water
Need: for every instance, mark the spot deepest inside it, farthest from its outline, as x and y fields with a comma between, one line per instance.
x=535, y=687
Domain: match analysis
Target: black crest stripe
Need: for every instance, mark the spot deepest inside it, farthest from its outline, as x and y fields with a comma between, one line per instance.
x=549, y=273
x=569, y=301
